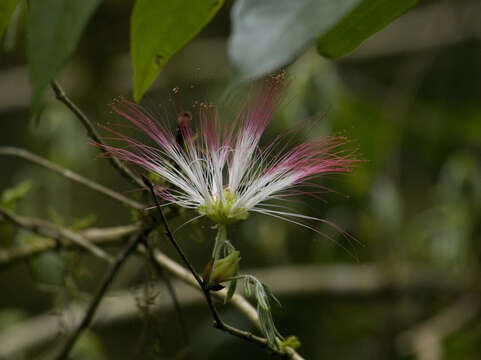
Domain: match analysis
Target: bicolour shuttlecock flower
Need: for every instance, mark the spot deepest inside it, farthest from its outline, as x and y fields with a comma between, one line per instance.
x=221, y=170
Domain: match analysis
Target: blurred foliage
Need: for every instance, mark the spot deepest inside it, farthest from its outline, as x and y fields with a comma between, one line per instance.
x=54, y=29
x=7, y=8
x=89, y=346
x=10, y=196
x=365, y=19
x=159, y=30
x=339, y=26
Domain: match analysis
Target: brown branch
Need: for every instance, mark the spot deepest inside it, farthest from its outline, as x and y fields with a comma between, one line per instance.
x=293, y=281
x=48, y=229
x=288, y=281
x=92, y=132
x=105, y=235
x=334, y=279
x=170, y=235
x=14, y=255
x=92, y=308
x=246, y=335
x=237, y=300
x=99, y=236
x=69, y=174
x=51, y=230
x=218, y=323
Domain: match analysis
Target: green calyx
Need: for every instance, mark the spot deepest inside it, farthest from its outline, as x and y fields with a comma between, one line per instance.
x=221, y=211
x=225, y=268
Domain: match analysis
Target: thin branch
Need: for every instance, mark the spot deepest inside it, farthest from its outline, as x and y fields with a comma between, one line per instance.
x=51, y=230
x=92, y=132
x=218, y=323
x=333, y=279
x=217, y=320
x=289, y=281
x=89, y=314
x=170, y=288
x=237, y=300
x=170, y=235
x=99, y=236
x=69, y=174
x=120, y=305
x=109, y=234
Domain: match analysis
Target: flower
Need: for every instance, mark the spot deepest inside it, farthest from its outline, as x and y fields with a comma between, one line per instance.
x=221, y=171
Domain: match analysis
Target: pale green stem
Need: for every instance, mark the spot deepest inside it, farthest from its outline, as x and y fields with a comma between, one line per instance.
x=220, y=238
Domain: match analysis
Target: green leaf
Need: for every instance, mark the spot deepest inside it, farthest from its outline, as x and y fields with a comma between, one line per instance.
x=230, y=291
x=267, y=325
x=7, y=7
x=364, y=20
x=269, y=34
x=10, y=196
x=261, y=297
x=271, y=295
x=159, y=29
x=83, y=222
x=47, y=267
x=228, y=248
x=247, y=288
x=53, y=29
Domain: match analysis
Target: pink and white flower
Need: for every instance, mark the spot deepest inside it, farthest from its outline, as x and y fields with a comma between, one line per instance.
x=221, y=171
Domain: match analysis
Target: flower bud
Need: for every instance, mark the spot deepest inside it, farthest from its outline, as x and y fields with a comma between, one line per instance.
x=292, y=342
x=225, y=268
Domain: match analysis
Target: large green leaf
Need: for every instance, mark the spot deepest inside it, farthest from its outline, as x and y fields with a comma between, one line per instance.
x=6, y=10
x=367, y=18
x=54, y=28
x=269, y=34
x=159, y=29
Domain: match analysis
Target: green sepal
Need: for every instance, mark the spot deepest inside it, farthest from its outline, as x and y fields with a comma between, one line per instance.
x=225, y=268
x=221, y=210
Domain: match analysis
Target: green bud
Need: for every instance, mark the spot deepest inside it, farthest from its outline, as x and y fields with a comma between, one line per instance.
x=291, y=341
x=225, y=268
